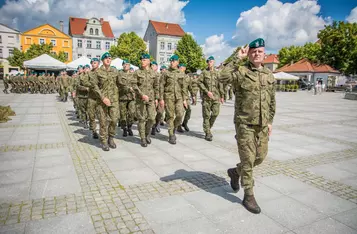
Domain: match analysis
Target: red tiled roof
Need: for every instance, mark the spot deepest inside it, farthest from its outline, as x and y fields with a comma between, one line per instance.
x=304, y=65
x=163, y=28
x=77, y=27
x=271, y=58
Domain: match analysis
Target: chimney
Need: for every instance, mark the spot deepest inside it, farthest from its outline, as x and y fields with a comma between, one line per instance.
x=61, y=25
x=167, y=26
x=101, y=20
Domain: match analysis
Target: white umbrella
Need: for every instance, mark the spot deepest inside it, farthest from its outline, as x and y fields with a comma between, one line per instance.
x=285, y=76
x=80, y=61
x=45, y=62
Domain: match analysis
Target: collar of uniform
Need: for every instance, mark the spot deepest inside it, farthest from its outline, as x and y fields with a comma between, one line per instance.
x=173, y=69
x=103, y=68
x=263, y=69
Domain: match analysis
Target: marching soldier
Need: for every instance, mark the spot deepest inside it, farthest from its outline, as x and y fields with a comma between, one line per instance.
x=82, y=94
x=194, y=88
x=213, y=94
x=159, y=110
x=6, y=83
x=187, y=116
x=65, y=85
x=254, y=114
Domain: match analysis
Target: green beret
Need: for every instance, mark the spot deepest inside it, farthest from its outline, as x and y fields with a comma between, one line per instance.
x=94, y=60
x=131, y=68
x=125, y=61
x=105, y=55
x=210, y=58
x=154, y=63
x=79, y=67
x=113, y=67
x=145, y=56
x=163, y=67
x=182, y=65
x=257, y=43
x=174, y=58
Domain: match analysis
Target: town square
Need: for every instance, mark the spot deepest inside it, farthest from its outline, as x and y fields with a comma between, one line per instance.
x=167, y=125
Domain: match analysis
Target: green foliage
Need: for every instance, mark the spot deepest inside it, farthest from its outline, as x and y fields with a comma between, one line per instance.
x=339, y=46
x=35, y=50
x=190, y=53
x=130, y=46
x=293, y=54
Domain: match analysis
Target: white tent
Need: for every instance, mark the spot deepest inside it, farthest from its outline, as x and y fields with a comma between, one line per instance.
x=118, y=64
x=44, y=62
x=285, y=76
x=80, y=61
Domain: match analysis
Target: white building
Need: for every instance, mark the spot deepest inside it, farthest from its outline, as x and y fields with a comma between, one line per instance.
x=91, y=37
x=9, y=39
x=162, y=39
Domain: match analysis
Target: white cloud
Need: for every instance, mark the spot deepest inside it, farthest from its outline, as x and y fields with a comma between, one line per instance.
x=217, y=47
x=352, y=18
x=26, y=14
x=280, y=24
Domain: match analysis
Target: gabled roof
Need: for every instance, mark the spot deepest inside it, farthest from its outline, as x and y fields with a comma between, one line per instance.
x=77, y=26
x=17, y=31
x=304, y=65
x=49, y=25
x=271, y=58
x=170, y=29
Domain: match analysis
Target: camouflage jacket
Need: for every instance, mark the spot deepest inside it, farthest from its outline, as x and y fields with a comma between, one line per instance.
x=146, y=83
x=172, y=85
x=82, y=90
x=208, y=82
x=104, y=83
x=255, y=93
x=125, y=94
x=64, y=81
x=194, y=84
x=188, y=84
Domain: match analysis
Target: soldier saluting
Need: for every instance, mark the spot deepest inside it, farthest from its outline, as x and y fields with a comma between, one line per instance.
x=254, y=112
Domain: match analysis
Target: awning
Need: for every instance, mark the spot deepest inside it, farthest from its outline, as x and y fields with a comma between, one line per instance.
x=80, y=61
x=44, y=62
x=285, y=76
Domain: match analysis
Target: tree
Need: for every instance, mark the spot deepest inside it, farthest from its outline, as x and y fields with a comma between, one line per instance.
x=61, y=56
x=190, y=53
x=292, y=54
x=339, y=46
x=130, y=46
x=17, y=59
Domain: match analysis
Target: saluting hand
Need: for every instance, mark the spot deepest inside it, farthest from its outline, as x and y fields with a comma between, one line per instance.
x=243, y=52
x=145, y=98
x=106, y=101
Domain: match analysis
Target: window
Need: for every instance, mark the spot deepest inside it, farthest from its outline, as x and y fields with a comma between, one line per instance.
x=169, y=46
x=79, y=55
x=162, y=60
x=11, y=51
x=79, y=43
x=96, y=31
x=0, y=52
x=168, y=57
x=89, y=56
x=53, y=42
x=0, y=39
x=89, y=44
x=107, y=45
x=98, y=45
x=42, y=41
x=175, y=46
x=162, y=45
x=53, y=52
x=17, y=38
x=65, y=43
x=66, y=54
x=91, y=31
x=28, y=40
x=98, y=57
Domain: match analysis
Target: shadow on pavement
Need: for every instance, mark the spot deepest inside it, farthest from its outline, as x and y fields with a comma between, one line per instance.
x=205, y=181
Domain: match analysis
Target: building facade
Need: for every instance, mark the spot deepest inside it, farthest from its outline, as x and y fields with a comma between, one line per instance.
x=91, y=37
x=162, y=39
x=9, y=40
x=46, y=34
x=271, y=62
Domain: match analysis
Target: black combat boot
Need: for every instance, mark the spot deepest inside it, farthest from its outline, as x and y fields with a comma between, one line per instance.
x=105, y=147
x=184, y=125
x=111, y=143
x=148, y=139
x=130, y=132
x=157, y=126
x=95, y=135
x=208, y=137
x=232, y=173
x=172, y=139
x=125, y=132
x=251, y=204
x=180, y=130
x=143, y=143
x=153, y=130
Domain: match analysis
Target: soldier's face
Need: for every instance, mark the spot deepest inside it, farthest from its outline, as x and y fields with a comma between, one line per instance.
x=256, y=55
x=126, y=66
x=145, y=62
x=95, y=64
x=210, y=63
x=174, y=63
x=154, y=67
x=183, y=69
x=107, y=61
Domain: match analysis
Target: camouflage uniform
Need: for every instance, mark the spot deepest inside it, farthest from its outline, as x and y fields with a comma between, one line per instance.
x=92, y=105
x=82, y=94
x=146, y=83
x=194, y=89
x=208, y=82
x=6, y=83
x=173, y=91
x=254, y=110
x=74, y=84
x=65, y=85
x=126, y=101
x=188, y=83
x=103, y=83
x=159, y=112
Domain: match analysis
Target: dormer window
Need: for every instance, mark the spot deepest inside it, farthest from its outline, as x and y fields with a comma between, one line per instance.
x=91, y=31
x=96, y=31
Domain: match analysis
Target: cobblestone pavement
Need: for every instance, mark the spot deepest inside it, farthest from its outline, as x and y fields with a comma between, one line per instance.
x=55, y=177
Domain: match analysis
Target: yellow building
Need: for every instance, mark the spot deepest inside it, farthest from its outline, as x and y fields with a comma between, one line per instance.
x=46, y=34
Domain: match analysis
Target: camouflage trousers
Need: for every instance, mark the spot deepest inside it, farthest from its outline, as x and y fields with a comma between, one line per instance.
x=127, y=113
x=210, y=112
x=108, y=119
x=230, y=93
x=82, y=108
x=159, y=114
x=194, y=96
x=64, y=93
x=92, y=110
x=174, y=112
x=252, y=141
x=187, y=116
x=145, y=112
